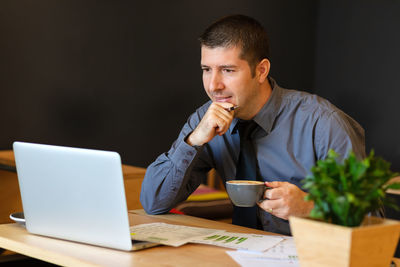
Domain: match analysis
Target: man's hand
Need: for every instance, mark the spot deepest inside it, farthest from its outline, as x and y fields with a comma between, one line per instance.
x=285, y=199
x=216, y=121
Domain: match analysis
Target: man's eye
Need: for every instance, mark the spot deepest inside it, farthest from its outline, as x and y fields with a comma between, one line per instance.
x=205, y=69
x=229, y=70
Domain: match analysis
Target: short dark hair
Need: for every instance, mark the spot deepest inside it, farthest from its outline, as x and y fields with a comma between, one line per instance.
x=239, y=30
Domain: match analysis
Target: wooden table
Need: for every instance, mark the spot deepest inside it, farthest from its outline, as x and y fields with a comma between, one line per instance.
x=10, y=199
x=15, y=237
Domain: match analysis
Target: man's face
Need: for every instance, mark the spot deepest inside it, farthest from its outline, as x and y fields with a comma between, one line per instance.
x=227, y=78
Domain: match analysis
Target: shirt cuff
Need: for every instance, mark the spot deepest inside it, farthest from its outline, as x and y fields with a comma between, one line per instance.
x=184, y=154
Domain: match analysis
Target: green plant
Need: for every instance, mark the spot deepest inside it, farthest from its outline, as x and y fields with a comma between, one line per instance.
x=344, y=193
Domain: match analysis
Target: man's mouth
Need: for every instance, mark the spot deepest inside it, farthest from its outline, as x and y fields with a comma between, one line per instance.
x=222, y=98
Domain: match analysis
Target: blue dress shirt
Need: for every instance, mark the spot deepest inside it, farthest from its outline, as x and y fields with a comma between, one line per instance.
x=295, y=130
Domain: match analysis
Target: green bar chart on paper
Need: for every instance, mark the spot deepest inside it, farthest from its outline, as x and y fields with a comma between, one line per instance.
x=226, y=239
x=242, y=241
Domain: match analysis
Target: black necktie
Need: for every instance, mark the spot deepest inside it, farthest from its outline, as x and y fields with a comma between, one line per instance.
x=246, y=169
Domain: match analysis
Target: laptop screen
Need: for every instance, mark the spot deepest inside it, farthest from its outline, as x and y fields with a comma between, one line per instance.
x=73, y=193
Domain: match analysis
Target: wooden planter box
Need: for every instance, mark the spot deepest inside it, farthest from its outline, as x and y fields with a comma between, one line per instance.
x=323, y=244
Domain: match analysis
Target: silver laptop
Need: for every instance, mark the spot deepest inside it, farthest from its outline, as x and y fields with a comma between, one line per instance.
x=74, y=194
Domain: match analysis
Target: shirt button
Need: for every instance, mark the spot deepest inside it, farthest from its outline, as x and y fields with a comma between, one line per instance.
x=185, y=161
x=190, y=153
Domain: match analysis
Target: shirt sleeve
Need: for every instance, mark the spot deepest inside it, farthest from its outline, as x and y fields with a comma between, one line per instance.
x=338, y=131
x=174, y=175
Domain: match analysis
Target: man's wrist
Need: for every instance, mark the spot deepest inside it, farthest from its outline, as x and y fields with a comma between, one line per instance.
x=190, y=140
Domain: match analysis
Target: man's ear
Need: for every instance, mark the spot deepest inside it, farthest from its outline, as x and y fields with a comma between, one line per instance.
x=262, y=70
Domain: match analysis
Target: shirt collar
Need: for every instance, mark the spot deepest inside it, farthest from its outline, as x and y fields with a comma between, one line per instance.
x=266, y=116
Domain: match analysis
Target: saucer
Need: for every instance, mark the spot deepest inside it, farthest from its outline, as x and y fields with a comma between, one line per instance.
x=18, y=217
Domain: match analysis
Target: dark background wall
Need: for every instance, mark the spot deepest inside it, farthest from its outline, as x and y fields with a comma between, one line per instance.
x=125, y=75
x=358, y=67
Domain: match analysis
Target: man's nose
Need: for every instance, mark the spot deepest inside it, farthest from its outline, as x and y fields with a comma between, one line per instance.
x=216, y=82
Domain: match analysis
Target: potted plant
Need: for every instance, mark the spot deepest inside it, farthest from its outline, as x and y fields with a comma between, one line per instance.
x=339, y=232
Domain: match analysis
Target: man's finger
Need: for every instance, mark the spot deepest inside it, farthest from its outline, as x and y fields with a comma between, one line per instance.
x=274, y=193
x=222, y=124
x=224, y=105
x=223, y=112
x=274, y=184
x=269, y=205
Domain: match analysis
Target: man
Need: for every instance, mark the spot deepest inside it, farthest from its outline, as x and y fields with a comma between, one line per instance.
x=289, y=132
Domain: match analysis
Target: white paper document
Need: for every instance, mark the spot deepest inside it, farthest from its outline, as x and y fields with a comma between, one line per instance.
x=177, y=235
x=251, y=242
x=168, y=234
x=281, y=255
